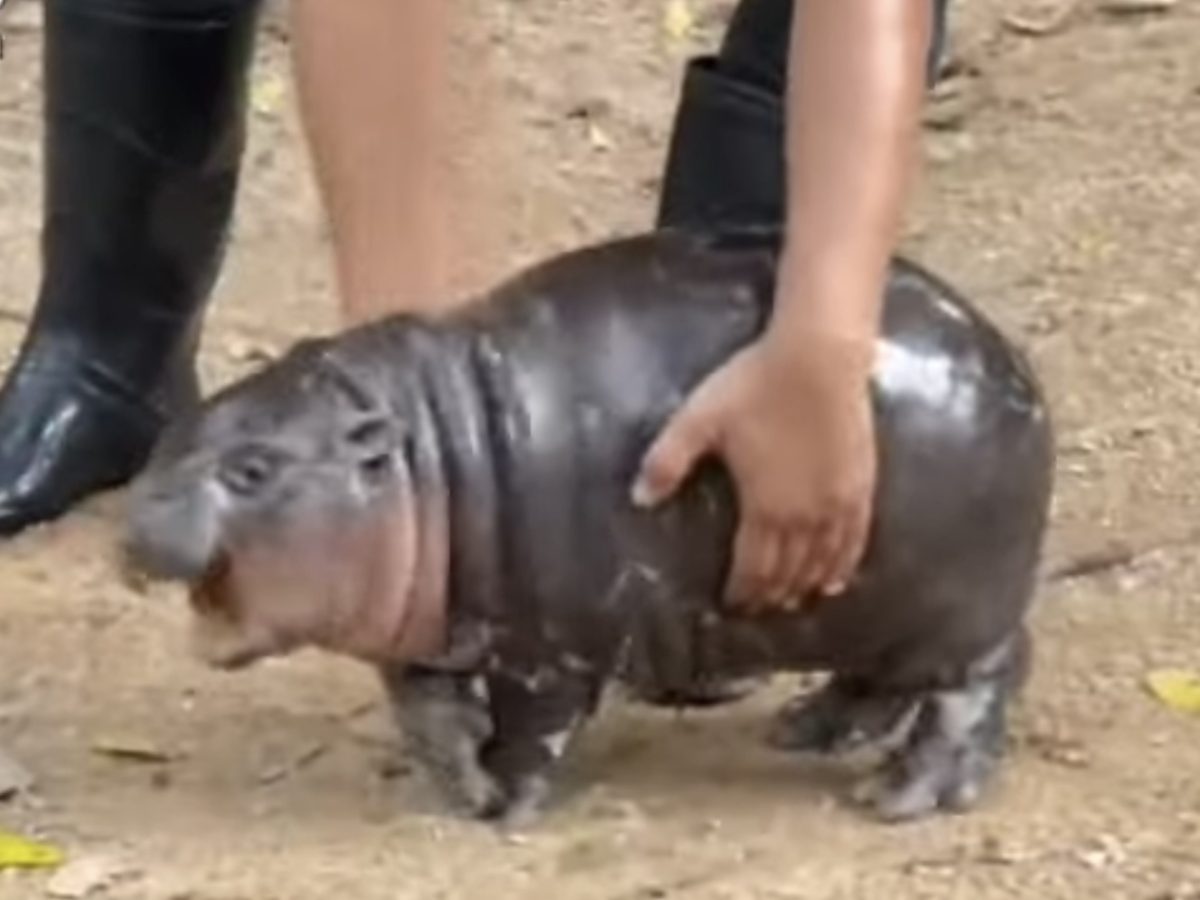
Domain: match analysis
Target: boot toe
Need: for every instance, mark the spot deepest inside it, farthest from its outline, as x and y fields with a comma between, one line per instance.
x=62, y=446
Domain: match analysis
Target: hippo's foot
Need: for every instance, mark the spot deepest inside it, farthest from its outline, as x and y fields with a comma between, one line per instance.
x=527, y=798
x=535, y=720
x=955, y=746
x=446, y=722
x=844, y=716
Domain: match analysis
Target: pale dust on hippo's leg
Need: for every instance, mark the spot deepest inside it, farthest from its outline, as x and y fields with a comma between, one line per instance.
x=445, y=723
x=956, y=744
x=845, y=716
x=536, y=719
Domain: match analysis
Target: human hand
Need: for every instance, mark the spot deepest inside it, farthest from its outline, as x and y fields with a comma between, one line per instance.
x=793, y=425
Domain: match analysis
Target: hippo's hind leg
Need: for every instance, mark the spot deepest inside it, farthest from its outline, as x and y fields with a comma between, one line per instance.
x=536, y=716
x=846, y=715
x=957, y=740
x=445, y=721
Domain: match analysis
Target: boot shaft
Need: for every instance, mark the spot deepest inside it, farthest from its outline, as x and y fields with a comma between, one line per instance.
x=145, y=126
x=725, y=161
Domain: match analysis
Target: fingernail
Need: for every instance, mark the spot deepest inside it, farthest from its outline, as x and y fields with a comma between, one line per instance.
x=642, y=495
x=832, y=590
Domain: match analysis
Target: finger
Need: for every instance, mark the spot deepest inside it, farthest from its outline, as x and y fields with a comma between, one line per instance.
x=797, y=545
x=824, y=541
x=670, y=458
x=755, y=551
x=851, y=550
x=765, y=576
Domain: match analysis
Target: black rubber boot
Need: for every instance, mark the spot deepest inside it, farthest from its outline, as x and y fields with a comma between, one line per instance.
x=144, y=130
x=725, y=157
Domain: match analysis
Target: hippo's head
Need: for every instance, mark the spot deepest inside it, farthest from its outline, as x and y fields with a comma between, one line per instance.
x=287, y=505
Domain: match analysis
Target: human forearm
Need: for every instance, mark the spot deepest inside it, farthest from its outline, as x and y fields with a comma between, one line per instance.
x=855, y=88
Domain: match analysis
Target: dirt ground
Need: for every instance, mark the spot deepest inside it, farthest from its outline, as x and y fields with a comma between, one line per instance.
x=1062, y=191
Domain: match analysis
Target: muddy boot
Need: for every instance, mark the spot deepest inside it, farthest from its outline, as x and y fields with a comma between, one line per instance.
x=144, y=125
x=725, y=157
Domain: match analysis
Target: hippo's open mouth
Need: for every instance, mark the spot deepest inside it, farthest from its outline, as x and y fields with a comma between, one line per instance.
x=221, y=638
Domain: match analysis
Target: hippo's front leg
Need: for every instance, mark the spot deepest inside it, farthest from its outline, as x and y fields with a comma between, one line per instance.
x=535, y=715
x=445, y=720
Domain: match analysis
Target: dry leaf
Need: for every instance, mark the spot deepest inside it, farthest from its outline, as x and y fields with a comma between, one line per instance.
x=81, y=877
x=246, y=349
x=266, y=95
x=17, y=852
x=132, y=749
x=1176, y=688
x=678, y=19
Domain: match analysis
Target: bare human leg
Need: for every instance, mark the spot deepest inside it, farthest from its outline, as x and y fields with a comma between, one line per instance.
x=372, y=79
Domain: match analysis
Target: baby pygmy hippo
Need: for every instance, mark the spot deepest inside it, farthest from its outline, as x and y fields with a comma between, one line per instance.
x=449, y=501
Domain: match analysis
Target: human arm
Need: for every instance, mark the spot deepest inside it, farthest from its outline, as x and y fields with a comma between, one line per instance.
x=790, y=414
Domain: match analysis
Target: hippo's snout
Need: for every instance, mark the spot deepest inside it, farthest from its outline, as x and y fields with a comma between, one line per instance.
x=171, y=536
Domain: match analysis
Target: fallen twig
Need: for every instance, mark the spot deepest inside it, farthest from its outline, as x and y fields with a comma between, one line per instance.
x=1136, y=7
x=1094, y=562
x=1115, y=556
x=1032, y=25
x=282, y=770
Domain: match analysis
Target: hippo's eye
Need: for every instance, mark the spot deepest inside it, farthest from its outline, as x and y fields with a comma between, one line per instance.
x=248, y=470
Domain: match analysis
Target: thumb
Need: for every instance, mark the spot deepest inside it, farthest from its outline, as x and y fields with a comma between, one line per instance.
x=684, y=439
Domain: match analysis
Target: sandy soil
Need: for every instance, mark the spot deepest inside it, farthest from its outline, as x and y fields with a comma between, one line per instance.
x=1062, y=192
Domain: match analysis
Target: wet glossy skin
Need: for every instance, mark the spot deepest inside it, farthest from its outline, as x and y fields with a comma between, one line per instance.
x=527, y=415
x=588, y=356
